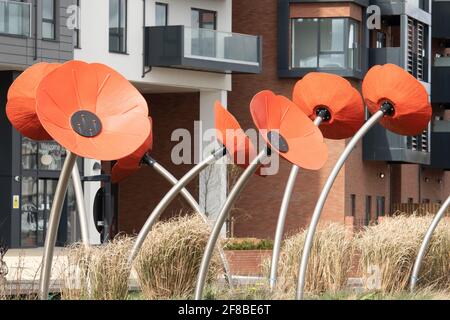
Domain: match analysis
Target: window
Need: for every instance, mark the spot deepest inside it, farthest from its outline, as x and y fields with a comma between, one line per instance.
x=161, y=14
x=410, y=200
x=203, y=24
x=118, y=26
x=48, y=19
x=381, y=206
x=203, y=19
x=368, y=209
x=352, y=205
x=77, y=35
x=331, y=43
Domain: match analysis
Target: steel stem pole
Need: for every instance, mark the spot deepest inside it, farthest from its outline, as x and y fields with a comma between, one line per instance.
x=162, y=205
x=278, y=240
x=53, y=223
x=81, y=208
x=192, y=202
x=323, y=197
x=212, y=241
x=426, y=243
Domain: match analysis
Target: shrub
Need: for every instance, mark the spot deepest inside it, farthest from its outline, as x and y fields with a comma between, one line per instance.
x=168, y=263
x=392, y=246
x=97, y=273
x=248, y=244
x=329, y=262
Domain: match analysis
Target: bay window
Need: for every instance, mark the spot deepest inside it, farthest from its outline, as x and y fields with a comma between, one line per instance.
x=329, y=43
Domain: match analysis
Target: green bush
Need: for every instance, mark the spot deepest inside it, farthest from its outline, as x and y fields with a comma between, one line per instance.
x=248, y=244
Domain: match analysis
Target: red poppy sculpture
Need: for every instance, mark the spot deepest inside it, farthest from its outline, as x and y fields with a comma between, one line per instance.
x=397, y=100
x=338, y=109
x=287, y=131
x=234, y=142
x=93, y=112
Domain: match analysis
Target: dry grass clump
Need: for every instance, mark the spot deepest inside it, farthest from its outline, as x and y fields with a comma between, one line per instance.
x=329, y=262
x=168, y=263
x=97, y=273
x=390, y=249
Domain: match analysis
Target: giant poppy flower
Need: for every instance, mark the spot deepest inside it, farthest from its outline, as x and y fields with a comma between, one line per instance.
x=392, y=85
x=288, y=130
x=232, y=137
x=21, y=105
x=334, y=94
x=92, y=111
x=125, y=167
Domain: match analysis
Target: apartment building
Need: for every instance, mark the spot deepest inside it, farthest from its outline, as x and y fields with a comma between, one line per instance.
x=385, y=170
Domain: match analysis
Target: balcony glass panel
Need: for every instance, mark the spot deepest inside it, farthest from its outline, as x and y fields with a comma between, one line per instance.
x=15, y=18
x=220, y=46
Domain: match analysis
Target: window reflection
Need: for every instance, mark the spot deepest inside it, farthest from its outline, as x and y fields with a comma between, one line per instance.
x=29, y=154
x=51, y=156
x=29, y=216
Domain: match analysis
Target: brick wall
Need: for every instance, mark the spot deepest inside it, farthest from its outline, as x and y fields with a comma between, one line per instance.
x=139, y=194
x=247, y=262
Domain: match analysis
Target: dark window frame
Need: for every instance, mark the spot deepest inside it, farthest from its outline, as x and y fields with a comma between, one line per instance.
x=381, y=206
x=202, y=11
x=348, y=21
x=77, y=30
x=123, y=39
x=51, y=21
x=166, y=6
x=352, y=205
x=368, y=213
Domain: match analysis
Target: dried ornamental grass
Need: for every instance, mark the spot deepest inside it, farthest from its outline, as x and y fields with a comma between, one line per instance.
x=97, y=273
x=329, y=262
x=168, y=263
x=389, y=250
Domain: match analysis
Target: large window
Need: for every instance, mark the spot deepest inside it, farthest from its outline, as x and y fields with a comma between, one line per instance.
x=48, y=19
x=161, y=14
x=330, y=43
x=118, y=26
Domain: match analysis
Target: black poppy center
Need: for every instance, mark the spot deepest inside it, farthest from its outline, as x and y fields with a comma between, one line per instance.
x=324, y=113
x=388, y=108
x=278, y=141
x=86, y=124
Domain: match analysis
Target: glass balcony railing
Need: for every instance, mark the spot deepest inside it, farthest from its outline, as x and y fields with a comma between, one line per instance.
x=215, y=45
x=15, y=18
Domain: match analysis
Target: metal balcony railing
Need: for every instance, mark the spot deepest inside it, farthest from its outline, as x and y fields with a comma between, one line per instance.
x=15, y=18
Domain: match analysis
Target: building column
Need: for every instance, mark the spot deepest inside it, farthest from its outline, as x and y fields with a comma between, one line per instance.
x=213, y=181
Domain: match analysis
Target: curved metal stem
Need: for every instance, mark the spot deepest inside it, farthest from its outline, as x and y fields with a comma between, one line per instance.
x=162, y=205
x=53, y=223
x=282, y=219
x=426, y=243
x=192, y=202
x=235, y=192
x=78, y=190
x=323, y=197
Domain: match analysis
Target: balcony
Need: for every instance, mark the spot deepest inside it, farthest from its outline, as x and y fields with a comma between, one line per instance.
x=441, y=22
x=382, y=145
x=202, y=49
x=440, y=137
x=15, y=18
x=440, y=75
